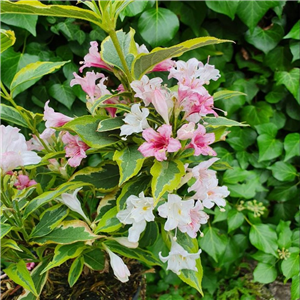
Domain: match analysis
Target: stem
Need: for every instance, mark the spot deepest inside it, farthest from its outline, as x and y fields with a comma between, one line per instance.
x=116, y=43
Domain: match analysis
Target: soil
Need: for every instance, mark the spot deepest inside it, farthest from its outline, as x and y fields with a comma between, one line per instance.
x=91, y=285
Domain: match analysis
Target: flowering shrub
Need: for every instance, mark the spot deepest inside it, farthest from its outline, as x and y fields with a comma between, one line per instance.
x=133, y=176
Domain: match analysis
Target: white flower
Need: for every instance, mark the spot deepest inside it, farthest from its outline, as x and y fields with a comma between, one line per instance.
x=125, y=242
x=120, y=269
x=138, y=211
x=177, y=211
x=179, y=259
x=135, y=121
x=13, y=150
x=73, y=203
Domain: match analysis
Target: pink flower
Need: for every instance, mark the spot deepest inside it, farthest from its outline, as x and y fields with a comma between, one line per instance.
x=93, y=59
x=23, y=182
x=13, y=149
x=75, y=149
x=158, y=143
x=88, y=83
x=201, y=140
x=30, y=266
x=54, y=119
x=186, y=131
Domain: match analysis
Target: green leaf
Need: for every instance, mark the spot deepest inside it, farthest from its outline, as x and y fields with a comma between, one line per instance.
x=268, y=147
x=49, y=220
x=267, y=128
x=294, y=33
x=290, y=80
x=22, y=21
x=5, y=229
x=75, y=270
x=283, y=171
x=284, y=234
x=7, y=39
x=94, y=259
x=291, y=145
x=235, y=175
x=290, y=266
x=134, y=8
x=150, y=235
x=264, y=273
x=63, y=253
x=257, y=114
x=276, y=94
x=235, y=219
x=264, y=257
x=130, y=162
x=295, y=50
x=109, y=222
x=264, y=238
x=283, y=193
x=166, y=177
x=68, y=232
x=104, y=177
x=221, y=121
x=20, y=275
x=251, y=12
x=226, y=94
x=295, y=288
x=227, y=8
x=110, y=55
x=139, y=254
x=50, y=195
x=158, y=26
x=9, y=243
x=265, y=39
x=10, y=114
x=38, y=279
x=63, y=93
x=110, y=124
x=37, y=8
x=145, y=62
x=213, y=243
x=86, y=128
x=241, y=138
x=28, y=75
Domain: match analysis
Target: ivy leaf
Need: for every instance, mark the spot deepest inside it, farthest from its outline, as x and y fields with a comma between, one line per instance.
x=283, y=171
x=241, y=138
x=63, y=93
x=264, y=238
x=257, y=114
x=290, y=80
x=22, y=21
x=268, y=147
x=291, y=145
x=294, y=47
x=276, y=94
x=283, y=193
x=251, y=12
x=134, y=8
x=295, y=288
x=290, y=266
x=158, y=26
x=264, y=273
x=267, y=128
x=284, y=234
x=265, y=40
x=294, y=32
x=235, y=219
x=227, y=8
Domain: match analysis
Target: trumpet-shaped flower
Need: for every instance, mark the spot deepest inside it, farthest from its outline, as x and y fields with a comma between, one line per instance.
x=138, y=211
x=135, y=121
x=23, y=182
x=179, y=259
x=75, y=149
x=119, y=268
x=72, y=202
x=158, y=143
x=201, y=140
x=93, y=59
x=177, y=212
x=186, y=131
x=14, y=152
x=54, y=119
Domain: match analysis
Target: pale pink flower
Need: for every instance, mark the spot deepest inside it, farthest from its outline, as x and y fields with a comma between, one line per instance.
x=54, y=119
x=30, y=266
x=186, y=131
x=198, y=217
x=162, y=103
x=13, y=149
x=23, y=182
x=88, y=84
x=177, y=212
x=139, y=210
x=34, y=144
x=201, y=140
x=135, y=121
x=93, y=59
x=75, y=149
x=179, y=259
x=158, y=143
x=120, y=270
